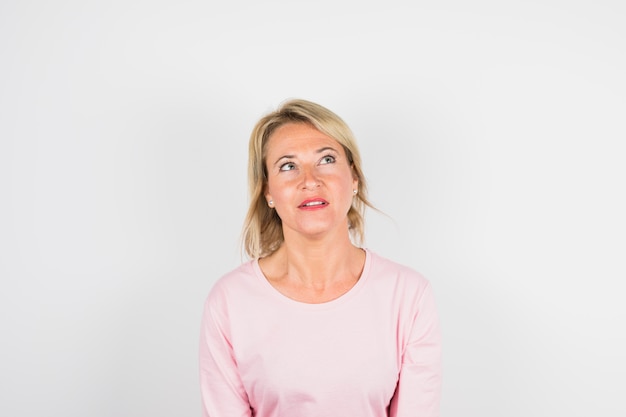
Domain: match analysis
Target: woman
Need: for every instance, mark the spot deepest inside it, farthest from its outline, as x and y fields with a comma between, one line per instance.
x=314, y=325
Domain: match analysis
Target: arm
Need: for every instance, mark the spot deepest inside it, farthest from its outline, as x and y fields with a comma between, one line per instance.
x=222, y=391
x=419, y=385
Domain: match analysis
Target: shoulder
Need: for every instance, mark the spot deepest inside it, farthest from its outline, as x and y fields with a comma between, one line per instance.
x=383, y=268
x=402, y=280
x=233, y=284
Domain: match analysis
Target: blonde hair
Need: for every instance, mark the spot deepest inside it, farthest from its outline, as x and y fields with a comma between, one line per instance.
x=262, y=230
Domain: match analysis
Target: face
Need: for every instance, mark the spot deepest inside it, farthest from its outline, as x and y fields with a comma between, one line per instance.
x=310, y=181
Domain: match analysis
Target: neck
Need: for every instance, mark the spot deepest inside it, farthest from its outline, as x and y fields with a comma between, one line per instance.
x=317, y=264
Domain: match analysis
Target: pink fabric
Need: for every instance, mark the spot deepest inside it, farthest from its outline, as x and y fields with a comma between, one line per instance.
x=373, y=352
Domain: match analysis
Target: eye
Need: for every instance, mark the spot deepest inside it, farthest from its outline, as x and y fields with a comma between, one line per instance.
x=287, y=166
x=328, y=159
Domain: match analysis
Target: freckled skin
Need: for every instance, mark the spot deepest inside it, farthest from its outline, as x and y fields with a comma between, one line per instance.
x=304, y=164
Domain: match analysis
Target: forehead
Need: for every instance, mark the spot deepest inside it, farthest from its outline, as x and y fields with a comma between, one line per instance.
x=294, y=137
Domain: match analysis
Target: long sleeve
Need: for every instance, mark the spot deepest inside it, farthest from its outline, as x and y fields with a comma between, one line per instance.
x=222, y=391
x=373, y=352
x=419, y=387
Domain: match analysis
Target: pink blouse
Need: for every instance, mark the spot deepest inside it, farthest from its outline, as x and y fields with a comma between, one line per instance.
x=373, y=352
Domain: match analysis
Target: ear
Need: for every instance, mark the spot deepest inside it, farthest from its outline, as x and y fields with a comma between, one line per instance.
x=268, y=197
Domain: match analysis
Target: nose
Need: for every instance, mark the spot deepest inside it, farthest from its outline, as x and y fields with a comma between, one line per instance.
x=309, y=179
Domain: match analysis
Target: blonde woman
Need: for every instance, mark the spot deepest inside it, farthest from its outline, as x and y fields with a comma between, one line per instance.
x=314, y=325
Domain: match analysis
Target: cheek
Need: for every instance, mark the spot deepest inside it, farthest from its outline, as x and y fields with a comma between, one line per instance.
x=276, y=190
x=350, y=181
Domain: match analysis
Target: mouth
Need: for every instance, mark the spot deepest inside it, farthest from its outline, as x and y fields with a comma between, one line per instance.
x=313, y=204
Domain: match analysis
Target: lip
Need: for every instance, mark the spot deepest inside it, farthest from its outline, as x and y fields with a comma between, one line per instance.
x=313, y=204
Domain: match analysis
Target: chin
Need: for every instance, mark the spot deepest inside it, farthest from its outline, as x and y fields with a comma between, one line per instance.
x=318, y=230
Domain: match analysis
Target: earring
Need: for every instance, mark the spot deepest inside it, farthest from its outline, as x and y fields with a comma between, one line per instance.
x=270, y=203
x=354, y=192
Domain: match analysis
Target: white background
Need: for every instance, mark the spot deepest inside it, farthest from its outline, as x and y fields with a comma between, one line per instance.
x=492, y=135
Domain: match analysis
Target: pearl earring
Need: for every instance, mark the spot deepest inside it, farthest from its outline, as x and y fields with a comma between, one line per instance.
x=270, y=203
x=354, y=192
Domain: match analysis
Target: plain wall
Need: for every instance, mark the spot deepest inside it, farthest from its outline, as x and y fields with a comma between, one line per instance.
x=492, y=135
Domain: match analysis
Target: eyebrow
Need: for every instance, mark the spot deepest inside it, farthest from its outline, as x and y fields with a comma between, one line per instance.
x=320, y=150
x=326, y=148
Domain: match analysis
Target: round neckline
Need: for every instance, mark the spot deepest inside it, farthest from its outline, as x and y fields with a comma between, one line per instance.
x=315, y=306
